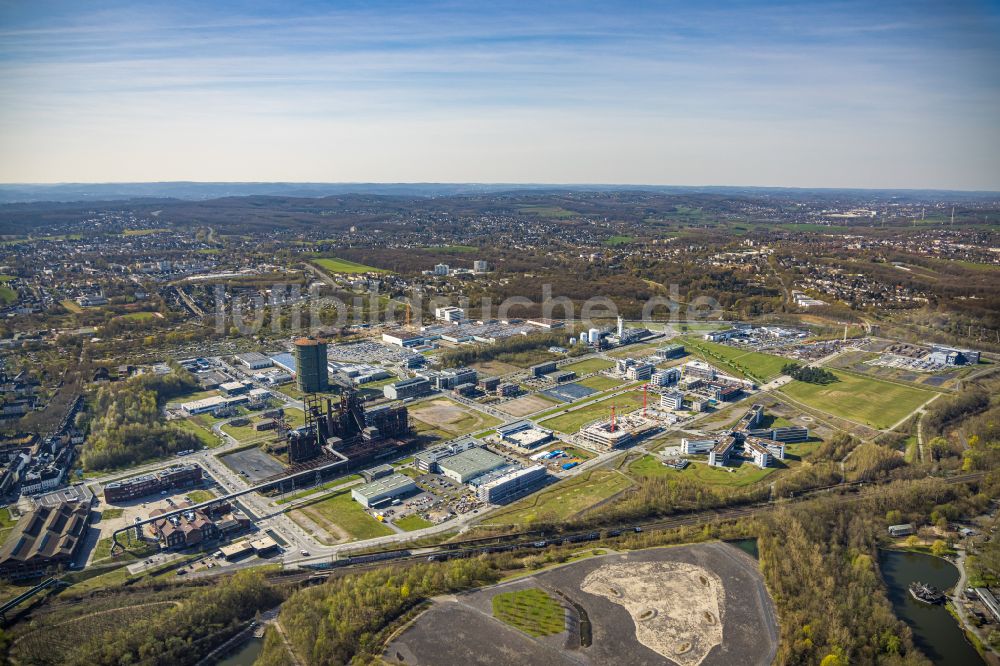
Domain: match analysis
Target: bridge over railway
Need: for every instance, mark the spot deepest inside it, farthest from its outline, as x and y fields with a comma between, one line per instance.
x=313, y=470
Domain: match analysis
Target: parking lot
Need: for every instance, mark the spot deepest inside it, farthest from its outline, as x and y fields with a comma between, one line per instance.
x=252, y=464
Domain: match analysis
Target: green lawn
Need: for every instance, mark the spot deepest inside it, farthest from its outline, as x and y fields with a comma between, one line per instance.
x=600, y=382
x=137, y=550
x=108, y=514
x=6, y=524
x=341, y=510
x=532, y=611
x=293, y=416
x=412, y=522
x=199, y=496
x=862, y=399
x=762, y=367
x=588, y=365
x=344, y=266
x=207, y=437
x=619, y=240
x=636, y=351
x=734, y=476
x=563, y=500
x=7, y=295
x=137, y=316
x=325, y=486
x=571, y=422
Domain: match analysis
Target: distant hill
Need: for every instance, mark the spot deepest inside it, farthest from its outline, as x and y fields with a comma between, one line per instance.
x=192, y=191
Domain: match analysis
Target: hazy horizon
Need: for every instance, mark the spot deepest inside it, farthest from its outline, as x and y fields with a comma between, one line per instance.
x=831, y=95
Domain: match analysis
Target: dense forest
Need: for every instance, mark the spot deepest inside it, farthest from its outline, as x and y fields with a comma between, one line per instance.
x=127, y=427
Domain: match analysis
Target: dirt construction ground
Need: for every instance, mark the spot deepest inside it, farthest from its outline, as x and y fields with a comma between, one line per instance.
x=529, y=404
x=689, y=605
x=450, y=417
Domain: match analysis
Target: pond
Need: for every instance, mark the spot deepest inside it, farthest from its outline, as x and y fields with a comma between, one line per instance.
x=245, y=654
x=748, y=546
x=935, y=631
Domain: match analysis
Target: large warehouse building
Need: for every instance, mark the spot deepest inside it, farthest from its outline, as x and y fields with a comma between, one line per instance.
x=467, y=465
x=384, y=490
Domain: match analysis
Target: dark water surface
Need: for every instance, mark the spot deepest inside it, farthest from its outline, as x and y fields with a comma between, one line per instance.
x=935, y=631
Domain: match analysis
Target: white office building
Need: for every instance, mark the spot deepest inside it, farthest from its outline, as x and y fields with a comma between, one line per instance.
x=672, y=400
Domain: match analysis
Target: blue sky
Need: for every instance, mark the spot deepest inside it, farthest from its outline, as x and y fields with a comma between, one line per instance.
x=831, y=94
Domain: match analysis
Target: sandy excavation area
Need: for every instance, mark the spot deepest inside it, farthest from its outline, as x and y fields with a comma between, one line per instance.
x=677, y=607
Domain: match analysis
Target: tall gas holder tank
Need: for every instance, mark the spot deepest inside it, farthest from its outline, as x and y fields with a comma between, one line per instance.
x=595, y=335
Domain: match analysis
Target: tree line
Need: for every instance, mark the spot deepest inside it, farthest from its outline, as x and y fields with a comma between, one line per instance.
x=805, y=373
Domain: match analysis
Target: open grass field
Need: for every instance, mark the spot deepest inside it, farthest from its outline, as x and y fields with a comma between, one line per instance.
x=6, y=524
x=294, y=417
x=325, y=486
x=494, y=368
x=412, y=522
x=532, y=611
x=527, y=358
x=762, y=367
x=587, y=366
x=564, y=499
x=343, y=512
x=344, y=266
x=636, y=351
x=7, y=295
x=449, y=419
x=199, y=496
x=109, y=513
x=619, y=240
x=71, y=305
x=798, y=451
x=600, y=382
x=743, y=475
x=571, y=421
x=207, y=437
x=137, y=551
x=863, y=400
x=137, y=317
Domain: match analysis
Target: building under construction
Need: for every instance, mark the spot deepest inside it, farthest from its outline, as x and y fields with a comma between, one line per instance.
x=618, y=431
x=344, y=426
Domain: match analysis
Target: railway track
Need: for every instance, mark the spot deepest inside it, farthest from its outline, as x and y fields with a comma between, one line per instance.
x=540, y=539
